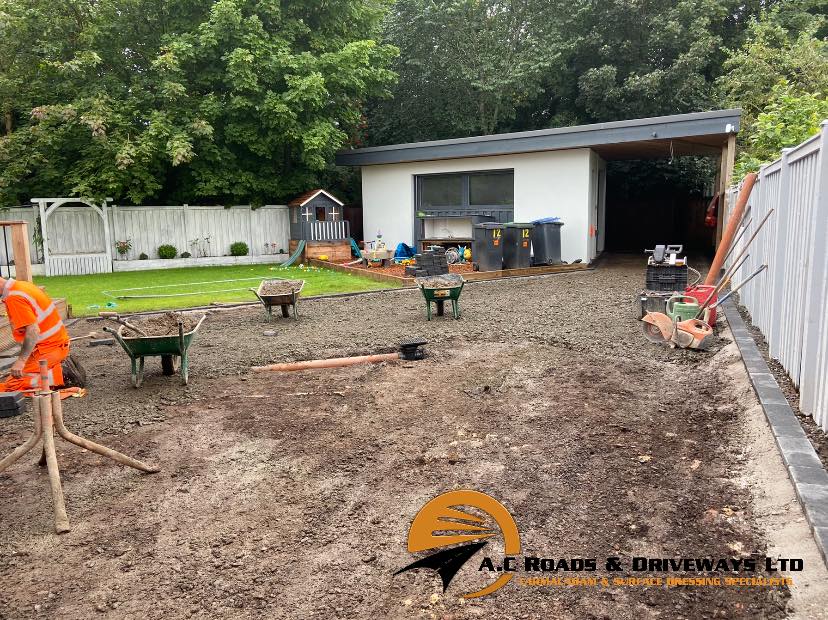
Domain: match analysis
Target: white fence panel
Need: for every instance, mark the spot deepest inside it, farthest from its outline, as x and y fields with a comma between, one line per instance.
x=79, y=264
x=74, y=231
x=788, y=303
x=26, y=214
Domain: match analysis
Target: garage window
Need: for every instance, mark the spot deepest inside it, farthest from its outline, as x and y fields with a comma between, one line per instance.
x=492, y=189
x=495, y=188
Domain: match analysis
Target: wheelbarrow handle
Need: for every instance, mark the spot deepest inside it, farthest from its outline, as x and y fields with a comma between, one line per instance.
x=117, y=335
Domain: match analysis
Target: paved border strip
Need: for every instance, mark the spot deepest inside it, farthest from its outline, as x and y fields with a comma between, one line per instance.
x=809, y=477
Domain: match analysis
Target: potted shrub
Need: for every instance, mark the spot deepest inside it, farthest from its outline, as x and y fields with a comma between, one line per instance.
x=239, y=248
x=167, y=251
x=123, y=247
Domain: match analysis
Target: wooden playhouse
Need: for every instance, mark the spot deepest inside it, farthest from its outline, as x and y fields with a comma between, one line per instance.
x=316, y=217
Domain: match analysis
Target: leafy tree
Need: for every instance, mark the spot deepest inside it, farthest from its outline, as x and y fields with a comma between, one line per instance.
x=779, y=78
x=480, y=66
x=232, y=100
x=774, y=52
x=788, y=119
x=465, y=66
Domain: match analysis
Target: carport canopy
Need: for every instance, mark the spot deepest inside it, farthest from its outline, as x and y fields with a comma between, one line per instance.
x=700, y=133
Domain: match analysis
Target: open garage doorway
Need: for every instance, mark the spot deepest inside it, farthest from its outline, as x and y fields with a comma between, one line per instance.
x=651, y=202
x=662, y=191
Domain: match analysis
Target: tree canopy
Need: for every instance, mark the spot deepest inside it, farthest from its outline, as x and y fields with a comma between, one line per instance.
x=247, y=100
x=779, y=78
x=182, y=100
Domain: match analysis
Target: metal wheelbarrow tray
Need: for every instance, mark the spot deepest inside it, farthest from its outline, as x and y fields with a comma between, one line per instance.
x=440, y=294
x=285, y=301
x=172, y=350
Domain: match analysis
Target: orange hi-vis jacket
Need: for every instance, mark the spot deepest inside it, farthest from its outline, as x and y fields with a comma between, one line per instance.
x=26, y=305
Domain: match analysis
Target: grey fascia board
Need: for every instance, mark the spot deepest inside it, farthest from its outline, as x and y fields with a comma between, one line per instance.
x=582, y=136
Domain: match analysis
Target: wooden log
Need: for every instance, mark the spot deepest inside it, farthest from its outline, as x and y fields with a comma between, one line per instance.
x=58, y=503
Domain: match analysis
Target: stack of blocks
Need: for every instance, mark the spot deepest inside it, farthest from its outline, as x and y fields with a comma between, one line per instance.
x=12, y=404
x=429, y=263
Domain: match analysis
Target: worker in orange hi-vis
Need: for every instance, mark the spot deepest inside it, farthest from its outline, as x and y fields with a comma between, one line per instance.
x=37, y=326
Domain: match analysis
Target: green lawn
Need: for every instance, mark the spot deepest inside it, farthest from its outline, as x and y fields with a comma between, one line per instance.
x=90, y=294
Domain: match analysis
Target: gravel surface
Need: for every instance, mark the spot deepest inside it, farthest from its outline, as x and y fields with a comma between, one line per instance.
x=290, y=495
x=279, y=287
x=444, y=281
x=162, y=324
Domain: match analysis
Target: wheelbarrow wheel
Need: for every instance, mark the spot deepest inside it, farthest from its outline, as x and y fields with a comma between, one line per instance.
x=169, y=364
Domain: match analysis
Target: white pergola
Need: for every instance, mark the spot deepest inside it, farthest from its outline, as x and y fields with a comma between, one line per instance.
x=74, y=264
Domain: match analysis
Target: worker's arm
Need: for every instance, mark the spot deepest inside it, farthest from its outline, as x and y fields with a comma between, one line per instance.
x=26, y=348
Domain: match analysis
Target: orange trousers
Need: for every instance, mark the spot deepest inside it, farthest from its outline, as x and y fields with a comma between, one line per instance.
x=31, y=371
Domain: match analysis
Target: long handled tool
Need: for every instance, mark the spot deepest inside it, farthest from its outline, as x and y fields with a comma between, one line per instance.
x=741, y=284
x=736, y=239
x=409, y=350
x=754, y=235
x=726, y=277
x=119, y=319
x=89, y=335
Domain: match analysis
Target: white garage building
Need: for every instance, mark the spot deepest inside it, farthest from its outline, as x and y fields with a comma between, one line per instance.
x=433, y=192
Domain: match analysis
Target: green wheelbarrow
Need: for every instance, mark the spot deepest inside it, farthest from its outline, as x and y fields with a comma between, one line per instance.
x=439, y=290
x=171, y=349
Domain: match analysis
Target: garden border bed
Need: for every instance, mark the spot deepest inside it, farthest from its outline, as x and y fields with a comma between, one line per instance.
x=473, y=276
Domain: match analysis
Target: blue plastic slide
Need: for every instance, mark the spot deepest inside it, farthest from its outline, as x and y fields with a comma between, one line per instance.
x=355, y=247
x=295, y=256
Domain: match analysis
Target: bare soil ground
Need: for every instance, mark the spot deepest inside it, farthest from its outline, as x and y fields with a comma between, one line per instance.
x=165, y=324
x=290, y=495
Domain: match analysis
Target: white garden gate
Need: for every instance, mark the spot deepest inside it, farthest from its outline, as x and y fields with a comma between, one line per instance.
x=57, y=261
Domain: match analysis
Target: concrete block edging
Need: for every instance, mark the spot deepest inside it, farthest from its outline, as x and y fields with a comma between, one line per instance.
x=804, y=467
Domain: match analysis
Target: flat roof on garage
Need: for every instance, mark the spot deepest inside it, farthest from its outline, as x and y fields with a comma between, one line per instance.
x=700, y=133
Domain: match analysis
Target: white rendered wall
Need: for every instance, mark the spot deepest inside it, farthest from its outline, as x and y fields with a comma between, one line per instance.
x=552, y=183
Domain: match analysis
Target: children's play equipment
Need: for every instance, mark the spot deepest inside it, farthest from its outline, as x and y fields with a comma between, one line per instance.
x=317, y=227
x=48, y=418
x=297, y=254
